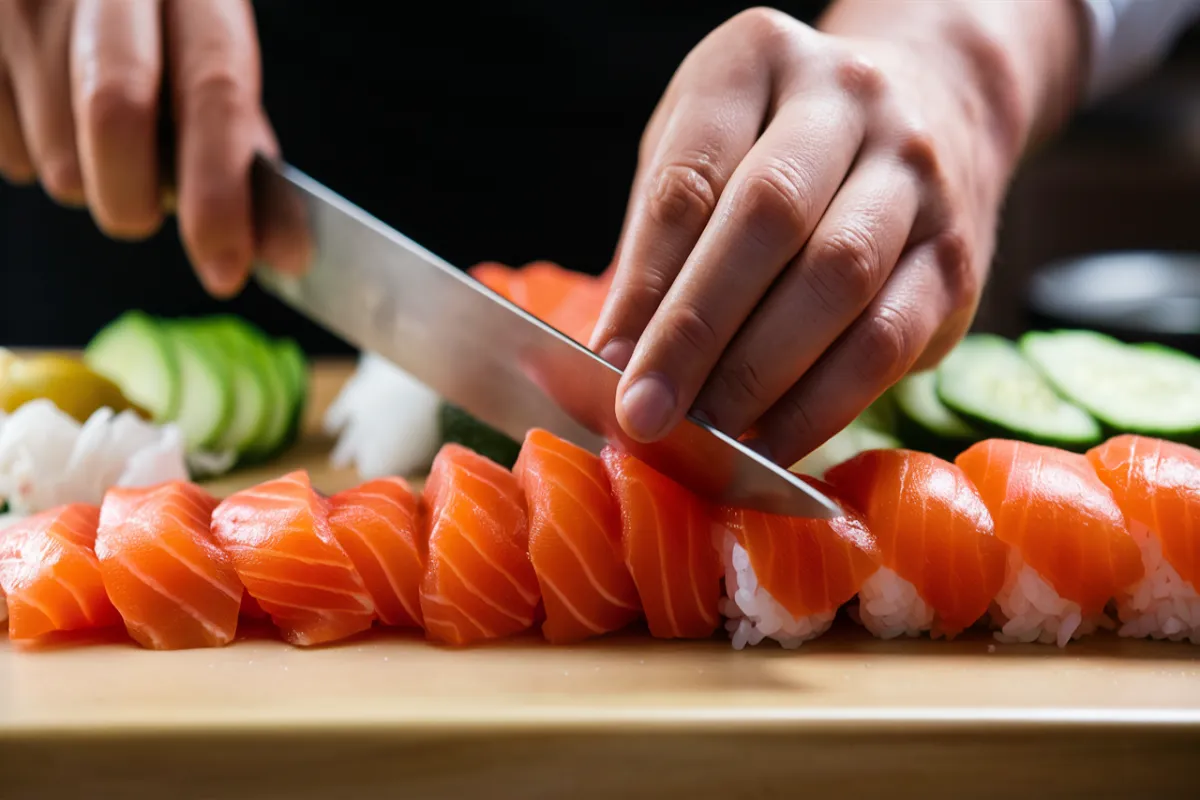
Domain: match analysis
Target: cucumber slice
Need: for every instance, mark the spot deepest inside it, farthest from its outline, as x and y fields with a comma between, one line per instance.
x=855, y=438
x=250, y=393
x=132, y=351
x=206, y=396
x=295, y=367
x=1149, y=389
x=459, y=427
x=259, y=352
x=987, y=381
x=925, y=423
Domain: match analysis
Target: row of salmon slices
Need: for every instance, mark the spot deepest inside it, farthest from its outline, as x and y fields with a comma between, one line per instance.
x=585, y=545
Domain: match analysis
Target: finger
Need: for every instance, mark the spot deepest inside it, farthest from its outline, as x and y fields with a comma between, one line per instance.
x=709, y=120
x=876, y=351
x=36, y=39
x=116, y=68
x=843, y=266
x=216, y=87
x=774, y=200
x=15, y=164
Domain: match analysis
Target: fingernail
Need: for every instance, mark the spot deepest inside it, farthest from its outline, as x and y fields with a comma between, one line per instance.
x=648, y=405
x=617, y=352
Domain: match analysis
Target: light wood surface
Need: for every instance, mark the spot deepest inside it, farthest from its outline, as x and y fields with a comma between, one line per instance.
x=392, y=716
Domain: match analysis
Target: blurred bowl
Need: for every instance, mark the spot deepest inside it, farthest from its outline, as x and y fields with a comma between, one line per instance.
x=1135, y=296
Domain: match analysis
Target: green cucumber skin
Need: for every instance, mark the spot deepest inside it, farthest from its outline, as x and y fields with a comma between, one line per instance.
x=1110, y=427
x=151, y=330
x=295, y=366
x=220, y=331
x=456, y=426
x=985, y=427
x=218, y=370
x=918, y=434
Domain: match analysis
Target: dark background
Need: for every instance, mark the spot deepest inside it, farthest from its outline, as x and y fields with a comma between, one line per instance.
x=510, y=134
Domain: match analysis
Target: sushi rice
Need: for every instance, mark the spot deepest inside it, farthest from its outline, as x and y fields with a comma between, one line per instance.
x=751, y=613
x=1162, y=605
x=889, y=606
x=1028, y=609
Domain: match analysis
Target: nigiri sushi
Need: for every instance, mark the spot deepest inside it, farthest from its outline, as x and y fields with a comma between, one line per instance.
x=786, y=577
x=479, y=583
x=940, y=562
x=1070, y=551
x=51, y=576
x=174, y=587
x=666, y=538
x=574, y=540
x=278, y=537
x=378, y=524
x=1156, y=483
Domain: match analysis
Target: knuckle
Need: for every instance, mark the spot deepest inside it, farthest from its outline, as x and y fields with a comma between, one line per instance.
x=216, y=89
x=685, y=192
x=860, y=77
x=955, y=262
x=918, y=149
x=846, y=269
x=763, y=24
x=687, y=327
x=888, y=345
x=741, y=384
x=775, y=196
x=113, y=103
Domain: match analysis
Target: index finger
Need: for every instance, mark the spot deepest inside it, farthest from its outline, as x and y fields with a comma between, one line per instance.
x=216, y=88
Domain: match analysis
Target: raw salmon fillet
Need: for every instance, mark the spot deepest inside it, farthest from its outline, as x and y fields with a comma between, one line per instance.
x=1157, y=483
x=50, y=573
x=666, y=536
x=932, y=528
x=277, y=535
x=568, y=301
x=809, y=566
x=378, y=525
x=1051, y=506
x=574, y=540
x=479, y=582
x=174, y=587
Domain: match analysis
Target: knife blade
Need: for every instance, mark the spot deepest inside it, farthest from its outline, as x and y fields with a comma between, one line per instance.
x=384, y=293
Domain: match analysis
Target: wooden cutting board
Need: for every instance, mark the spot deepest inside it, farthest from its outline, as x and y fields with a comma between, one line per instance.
x=391, y=716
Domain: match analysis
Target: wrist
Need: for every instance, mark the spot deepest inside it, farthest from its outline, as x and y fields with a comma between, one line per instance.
x=1017, y=68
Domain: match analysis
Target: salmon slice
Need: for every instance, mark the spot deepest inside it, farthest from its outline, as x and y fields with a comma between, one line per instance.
x=278, y=537
x=173, y=586
x=786, y=577
x=574, y=540
x=941, y=562
x=567, y=301
x=1157, y=484
x=666, y=537
x=479, y=582
x=50, y=573
x=378, y=525
x=1053, y=509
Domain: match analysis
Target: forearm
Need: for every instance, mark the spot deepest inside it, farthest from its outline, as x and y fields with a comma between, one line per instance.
x=1025, y=62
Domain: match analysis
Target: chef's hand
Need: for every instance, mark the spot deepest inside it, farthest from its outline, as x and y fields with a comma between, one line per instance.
x=79, y=95
x=815, y=210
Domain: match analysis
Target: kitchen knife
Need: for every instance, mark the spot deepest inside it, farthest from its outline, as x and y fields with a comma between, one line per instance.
x=384, y=293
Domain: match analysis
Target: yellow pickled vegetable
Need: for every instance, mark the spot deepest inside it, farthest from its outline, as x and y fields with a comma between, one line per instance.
x=67, y=382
